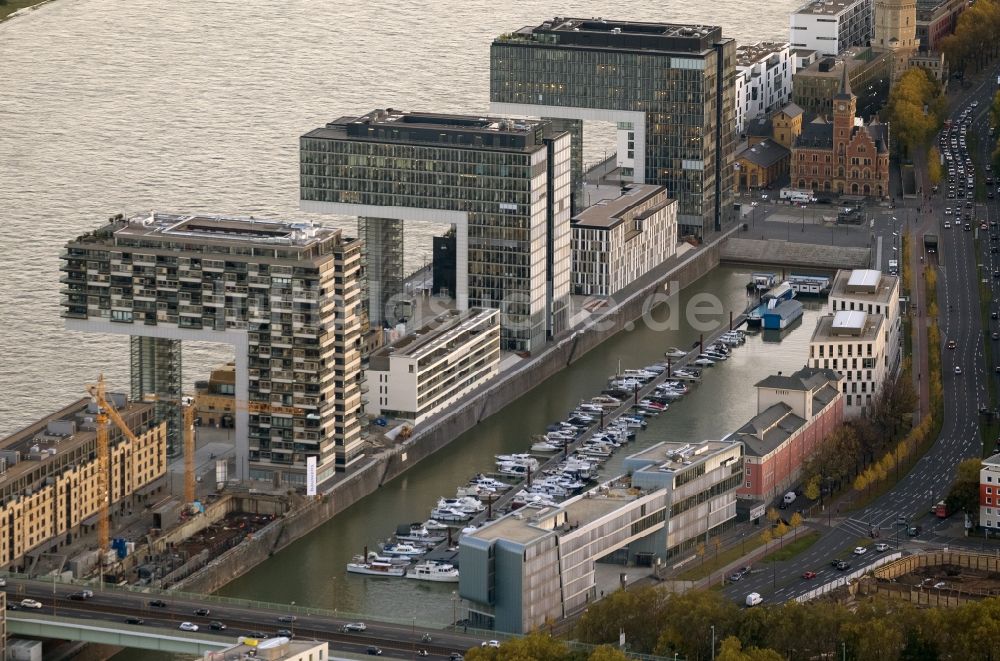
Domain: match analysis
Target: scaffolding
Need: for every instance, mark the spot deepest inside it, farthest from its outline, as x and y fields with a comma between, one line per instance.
x=156, y=370
x=382, y=268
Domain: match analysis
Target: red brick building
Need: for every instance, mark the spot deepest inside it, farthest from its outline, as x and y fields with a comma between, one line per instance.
x=794, y=414
x=846, y=156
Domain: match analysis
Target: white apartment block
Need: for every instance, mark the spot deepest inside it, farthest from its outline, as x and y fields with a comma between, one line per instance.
x=435, y=365
x=853, y=344
x=619, y=240
x=831, y=26
x=873, y=292
x=989, y=493
x=763, y=80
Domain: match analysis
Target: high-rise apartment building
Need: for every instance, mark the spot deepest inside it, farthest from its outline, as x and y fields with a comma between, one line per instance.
x=832, y=26
x=670, y=86
x=504, y=184
x=763, y=80
x=284, y=295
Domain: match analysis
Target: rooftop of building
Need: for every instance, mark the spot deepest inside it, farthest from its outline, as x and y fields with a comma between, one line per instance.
x=607, y=214
x=530, y=523
x=767, y=430
x=749, y=54
x=930, y=5
x=60, y=432
x=468, y=131
x=439, y=336
x=802, y=379
x=619, y=35
x=830, y=67
x=993, y=461
x=865, y=285
x=765, y=153
x=269, y=649
x=848, y=326
x=827, y=7
x=804, y=52
x=673, y=456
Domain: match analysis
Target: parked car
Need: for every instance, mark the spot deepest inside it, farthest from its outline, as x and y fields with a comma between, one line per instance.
x=188, y=626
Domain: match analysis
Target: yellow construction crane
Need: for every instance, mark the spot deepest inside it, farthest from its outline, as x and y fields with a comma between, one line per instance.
x=105, y=411
x=187, y=416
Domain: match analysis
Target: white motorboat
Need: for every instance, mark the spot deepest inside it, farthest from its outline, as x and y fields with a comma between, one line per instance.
x=524, y=459
x=421, y=535
x=704, y=362
x=545, y=446
x=440, y=572
x=713, y=355
x=375, y=568
x=642, y=375
x=590, y=408
x=489, y=483
x=606, y=401
x=403, y=550
x=431, y=524
x=674, y=352
x=464, y=504
x=512, y=469
x=450, y=514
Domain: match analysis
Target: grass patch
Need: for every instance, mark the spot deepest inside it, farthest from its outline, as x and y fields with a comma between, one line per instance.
x=713, y=563
x=793, y=548
x=8, y=7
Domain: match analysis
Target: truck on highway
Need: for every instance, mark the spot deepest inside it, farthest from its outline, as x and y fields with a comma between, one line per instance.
x=941, y=510
x=930, y=243
x=795, y=195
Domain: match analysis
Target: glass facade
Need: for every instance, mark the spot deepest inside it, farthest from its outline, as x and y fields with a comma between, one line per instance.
x=516, y=201
x=687, y=97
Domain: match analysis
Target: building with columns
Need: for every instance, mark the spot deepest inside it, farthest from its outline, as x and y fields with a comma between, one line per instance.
x=843, y=156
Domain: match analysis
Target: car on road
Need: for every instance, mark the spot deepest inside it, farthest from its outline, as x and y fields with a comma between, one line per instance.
x=284, y=633
x=455, y=656
x=255, y=634
x=288, y=619
x=952, y=344
x=490, y=643
x=158, y=603
x=860, y=550
x=881, y=546
x=735, y=576
x=753, y=599
x=958, y=369
x=202, y=612
x=809, y=575
x=842, y=565
x=188, y=626
x=354, y=626
x=79, y=596
x=373, y=651
x=947, y=225
x=30, y=603
x=134, y=620
x=12, y=606
x=913, y=531
x=947, y=211
x=994, y=314
x=216, y=626
x=967, y=227
x=3, y=582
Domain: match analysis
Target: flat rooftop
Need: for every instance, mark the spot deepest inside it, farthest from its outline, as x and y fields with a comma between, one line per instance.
x=831, y=329
x=531, y=522
x=854, y=57
x=445, y=329
x=271, y=649
x=865, y=285
x=752, y=53
x=399, y=126
x=827, y=7
x=620, y=35
x=607, y=214
x=674, y=456
x=226, y=229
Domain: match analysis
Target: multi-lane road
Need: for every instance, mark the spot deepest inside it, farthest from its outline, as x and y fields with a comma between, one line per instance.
x=965, y=392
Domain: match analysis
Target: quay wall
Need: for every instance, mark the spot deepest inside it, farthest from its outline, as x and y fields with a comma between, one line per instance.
x=439, y=432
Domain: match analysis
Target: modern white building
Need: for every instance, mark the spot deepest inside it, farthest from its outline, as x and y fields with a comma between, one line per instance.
x=989, y=493
x=619, y=240
x=538, y=564
x=434, y=366
x=830, y=26
x=853, y=344
x=763, y=80
x=871, y=291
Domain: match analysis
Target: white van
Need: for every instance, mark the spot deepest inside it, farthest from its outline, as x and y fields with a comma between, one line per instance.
x=789, y=497
x=893, y=267
x=753, y=599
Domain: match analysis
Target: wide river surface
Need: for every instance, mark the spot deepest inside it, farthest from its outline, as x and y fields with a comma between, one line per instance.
x=196, y=105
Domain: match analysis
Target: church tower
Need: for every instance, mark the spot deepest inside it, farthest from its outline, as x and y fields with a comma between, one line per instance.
x=896, y=32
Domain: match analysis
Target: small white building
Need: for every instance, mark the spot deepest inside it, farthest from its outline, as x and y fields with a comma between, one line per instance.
x=763, y=80
x=853, y=344
x=871, y=291
x=619, y=240
x=831, y=26
x=435, y=365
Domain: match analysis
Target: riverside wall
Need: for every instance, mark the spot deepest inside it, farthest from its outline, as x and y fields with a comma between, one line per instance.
x=441, y=431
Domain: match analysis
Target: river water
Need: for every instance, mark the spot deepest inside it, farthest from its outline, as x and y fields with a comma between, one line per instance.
x=196, y=105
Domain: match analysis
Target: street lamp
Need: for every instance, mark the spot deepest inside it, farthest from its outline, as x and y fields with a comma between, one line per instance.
x=454, y=608
x=713, y=642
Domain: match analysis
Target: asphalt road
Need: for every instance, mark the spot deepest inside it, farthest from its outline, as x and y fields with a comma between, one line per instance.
x=395, y=640
x=928, y=481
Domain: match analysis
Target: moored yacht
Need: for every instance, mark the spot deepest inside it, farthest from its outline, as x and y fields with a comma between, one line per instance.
x=440, y=572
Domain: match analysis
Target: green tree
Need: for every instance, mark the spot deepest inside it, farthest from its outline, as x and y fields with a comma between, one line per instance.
x=811, y=488
x=639, y=612
x=607, y=653
x=934, y=168
x=732, y=650
x=964, y=492
x=533, y=647
x=688, y=620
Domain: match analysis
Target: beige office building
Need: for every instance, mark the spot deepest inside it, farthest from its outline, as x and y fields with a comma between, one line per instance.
x=434, y=366
x=853, y=344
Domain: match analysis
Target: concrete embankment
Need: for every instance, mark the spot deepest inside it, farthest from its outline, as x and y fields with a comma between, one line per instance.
x=441, y=431
x=789, y=253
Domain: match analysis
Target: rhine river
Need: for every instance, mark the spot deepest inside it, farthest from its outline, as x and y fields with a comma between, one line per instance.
x=197, y=105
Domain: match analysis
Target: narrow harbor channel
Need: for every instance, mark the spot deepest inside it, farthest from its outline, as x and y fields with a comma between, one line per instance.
x=312, y=571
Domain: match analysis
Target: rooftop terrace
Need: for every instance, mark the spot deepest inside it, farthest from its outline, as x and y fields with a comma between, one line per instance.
x=619, y=35
x=449, y=329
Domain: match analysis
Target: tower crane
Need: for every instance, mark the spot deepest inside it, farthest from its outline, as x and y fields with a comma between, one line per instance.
x=187, y=415
x=105, y=411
